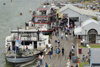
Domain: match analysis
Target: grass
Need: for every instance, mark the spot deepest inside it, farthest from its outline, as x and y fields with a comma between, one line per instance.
x=82, y=64
x=92, y=46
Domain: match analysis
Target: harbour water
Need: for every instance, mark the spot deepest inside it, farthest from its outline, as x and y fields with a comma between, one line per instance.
x=10, y=19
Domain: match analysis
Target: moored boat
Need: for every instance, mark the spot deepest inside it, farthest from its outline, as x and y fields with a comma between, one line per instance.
x=24, y=44
x=45, y=18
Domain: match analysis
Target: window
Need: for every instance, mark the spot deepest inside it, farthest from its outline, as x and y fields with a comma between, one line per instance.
x=39, y=44
x=44, y=43
x=8, y=43
x=26, y=42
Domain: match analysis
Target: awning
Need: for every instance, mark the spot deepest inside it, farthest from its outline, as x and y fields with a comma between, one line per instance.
x=78, y=30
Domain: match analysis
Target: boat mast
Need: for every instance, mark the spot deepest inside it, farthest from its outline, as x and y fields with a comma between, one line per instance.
x=18, y=32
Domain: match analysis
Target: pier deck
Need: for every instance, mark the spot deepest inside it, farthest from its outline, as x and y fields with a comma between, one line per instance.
x=62, y=60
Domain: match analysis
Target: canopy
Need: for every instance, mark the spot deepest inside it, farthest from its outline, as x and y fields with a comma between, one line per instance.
x=78, y=10
x=78, y=30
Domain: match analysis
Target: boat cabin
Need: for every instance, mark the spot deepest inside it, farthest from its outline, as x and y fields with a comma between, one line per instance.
x=28, y=37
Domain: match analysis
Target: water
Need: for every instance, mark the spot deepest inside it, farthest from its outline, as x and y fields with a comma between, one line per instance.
x=10, y=19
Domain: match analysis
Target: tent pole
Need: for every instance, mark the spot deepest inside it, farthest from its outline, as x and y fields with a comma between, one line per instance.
x=68, y=21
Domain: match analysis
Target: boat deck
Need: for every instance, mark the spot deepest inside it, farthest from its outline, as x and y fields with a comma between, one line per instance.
x=30, y=53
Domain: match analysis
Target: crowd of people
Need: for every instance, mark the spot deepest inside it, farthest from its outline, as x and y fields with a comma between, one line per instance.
x=59, y=49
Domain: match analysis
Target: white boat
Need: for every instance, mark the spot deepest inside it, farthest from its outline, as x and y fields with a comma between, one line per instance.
x=29, y=37
x=45, y=18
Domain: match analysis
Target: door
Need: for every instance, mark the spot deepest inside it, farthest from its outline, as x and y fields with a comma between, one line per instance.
x=92, y=38
x=35, y=44
x=40, y=45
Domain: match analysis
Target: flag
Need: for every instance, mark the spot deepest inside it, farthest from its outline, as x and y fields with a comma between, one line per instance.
x=18, y=40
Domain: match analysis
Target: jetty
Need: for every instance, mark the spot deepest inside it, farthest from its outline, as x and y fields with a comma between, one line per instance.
x=61, y=61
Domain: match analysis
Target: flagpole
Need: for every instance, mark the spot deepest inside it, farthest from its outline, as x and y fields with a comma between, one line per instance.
x=15, y=45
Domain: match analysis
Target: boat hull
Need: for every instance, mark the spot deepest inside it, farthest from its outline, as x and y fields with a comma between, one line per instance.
x=46, y=32
x=20, y=59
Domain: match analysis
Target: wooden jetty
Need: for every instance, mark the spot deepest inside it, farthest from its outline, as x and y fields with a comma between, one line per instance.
x=61, y=61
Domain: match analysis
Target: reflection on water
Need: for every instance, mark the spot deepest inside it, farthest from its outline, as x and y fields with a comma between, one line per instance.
x=8, y=64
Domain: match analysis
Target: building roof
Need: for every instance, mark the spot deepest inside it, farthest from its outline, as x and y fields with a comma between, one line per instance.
x=97, y=13
x=95, y=56
x=90, y=20
x=76, y=9
x=79, y=29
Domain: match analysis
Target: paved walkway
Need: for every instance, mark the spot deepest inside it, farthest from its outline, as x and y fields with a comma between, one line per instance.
x=62, y=61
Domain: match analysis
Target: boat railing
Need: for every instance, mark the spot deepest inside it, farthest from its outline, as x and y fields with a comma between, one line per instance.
x=40, y=14
x=20, y=52
x=28, y=38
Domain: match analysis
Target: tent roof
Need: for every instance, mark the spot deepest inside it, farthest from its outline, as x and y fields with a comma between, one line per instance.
x=95, y=55
x=81, y=11
x=78, y=30
x=90, y=20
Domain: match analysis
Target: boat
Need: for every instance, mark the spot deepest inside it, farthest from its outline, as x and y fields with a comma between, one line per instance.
x=45, y=18
x=22, y=38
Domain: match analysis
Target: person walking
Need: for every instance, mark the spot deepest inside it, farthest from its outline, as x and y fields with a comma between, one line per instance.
x=58, y=43
x=73, y=35
x=58, y=51
x=56, y=28
x=76, y=65
x=57, y=32
x=38, y=65
x=62, y=36
x=46, y=65
x=40, y=58
x=71, y=26
x=84, y=58
x=62, y=51
x=50, y=54
x=66, y=37
x=54, y=52
x=27, y=49
x=52, y=49
x=14, y=49
x=61, y=28
x=70, y=54
x=24, y=50
x=73, y=47
x=9, y=49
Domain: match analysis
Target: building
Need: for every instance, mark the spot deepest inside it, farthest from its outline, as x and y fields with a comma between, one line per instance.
x=89, y=30
x=94, y=58
x=76, y=13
